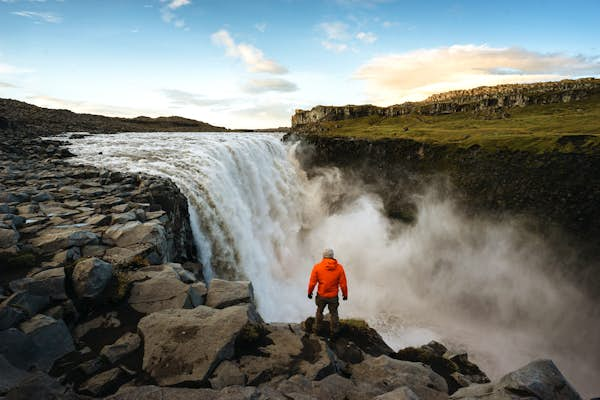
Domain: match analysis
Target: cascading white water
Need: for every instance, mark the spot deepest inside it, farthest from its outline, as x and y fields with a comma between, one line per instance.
x=488, y=288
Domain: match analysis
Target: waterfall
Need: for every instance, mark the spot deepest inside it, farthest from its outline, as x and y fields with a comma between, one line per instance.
x=489, y=288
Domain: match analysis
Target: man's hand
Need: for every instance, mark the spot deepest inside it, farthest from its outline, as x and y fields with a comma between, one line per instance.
x=345, y=298
x=310, y=295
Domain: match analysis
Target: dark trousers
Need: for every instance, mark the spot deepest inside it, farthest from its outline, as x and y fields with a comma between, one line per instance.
x=332, y=304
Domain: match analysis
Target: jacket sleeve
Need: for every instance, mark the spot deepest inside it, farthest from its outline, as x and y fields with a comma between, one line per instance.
x=343, y=283
x=313, y=280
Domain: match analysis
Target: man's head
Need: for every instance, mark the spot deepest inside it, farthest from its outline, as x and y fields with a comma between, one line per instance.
x=328, y=253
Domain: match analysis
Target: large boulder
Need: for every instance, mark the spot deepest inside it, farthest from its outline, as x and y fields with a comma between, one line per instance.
x=134, y=232
x=53, y=240
x=539, y=379
x=379, y=375
x=222, y=293
x=51, y=337
x=125, y=256
x=28, y=303
x=162, y=291
x=90, y=277
x=288, y=349
x=50, y=283
x=187, y=345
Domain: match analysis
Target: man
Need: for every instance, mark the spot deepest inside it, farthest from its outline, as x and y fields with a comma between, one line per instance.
x=331, y=277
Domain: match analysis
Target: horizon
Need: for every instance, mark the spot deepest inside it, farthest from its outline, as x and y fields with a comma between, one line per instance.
x=250, y=66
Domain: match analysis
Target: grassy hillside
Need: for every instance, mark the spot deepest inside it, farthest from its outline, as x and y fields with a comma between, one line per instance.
x=568, y=127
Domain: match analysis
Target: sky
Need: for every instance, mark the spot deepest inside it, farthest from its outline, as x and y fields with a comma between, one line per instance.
x=250, y=64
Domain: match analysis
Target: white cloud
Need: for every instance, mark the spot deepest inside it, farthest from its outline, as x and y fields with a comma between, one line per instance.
x=39, y=16
x=183, y=98
x=366, y=37
x=269, y=85
x=334, y=46
x=335, y=30
x=251, y=56
x=415, y=75
x=175, y=4
x=169, y=16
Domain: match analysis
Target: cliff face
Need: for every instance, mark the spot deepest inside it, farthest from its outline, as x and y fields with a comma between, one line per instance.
x=482, y=99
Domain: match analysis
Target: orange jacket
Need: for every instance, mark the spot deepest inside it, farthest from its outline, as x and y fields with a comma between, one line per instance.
x=329, y=275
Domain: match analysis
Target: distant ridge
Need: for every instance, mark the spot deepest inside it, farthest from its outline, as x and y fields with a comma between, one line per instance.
x=489, y=99
x=23, y=118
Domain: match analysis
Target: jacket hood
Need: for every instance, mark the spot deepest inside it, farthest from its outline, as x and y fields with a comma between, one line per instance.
x=330, y=263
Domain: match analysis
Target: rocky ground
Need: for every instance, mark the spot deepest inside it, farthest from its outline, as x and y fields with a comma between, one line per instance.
x=101, y=297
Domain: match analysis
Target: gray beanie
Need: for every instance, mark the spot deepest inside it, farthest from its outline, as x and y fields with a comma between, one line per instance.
x=328, y=253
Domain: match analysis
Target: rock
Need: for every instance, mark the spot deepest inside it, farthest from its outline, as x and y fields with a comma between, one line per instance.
x=90, y=277
x=48, y=283
x=227, y=374
x=40, y=386
x=52, y=337
x=159, y=293
x=93, y=250
x=287, y=349
x=402, y=393
x=125, y=345
x=539, y=379
x=98, y=220
x=10, y=316
x=109, y=320
x=41, y=197
x=10, y=376
x=124, y=217
x=66, y=256
x=135, y=232
x=164, y=393
x=53, y=240
x=197, y=294
x=334, y=387
x=187, y=345
x=29, y=303
x=378, y=375
x=223, y=293
x=123, y=257
x=468, y=370
x=184, y=275
x=105, y=383
x=8, y=238
x=18, y=348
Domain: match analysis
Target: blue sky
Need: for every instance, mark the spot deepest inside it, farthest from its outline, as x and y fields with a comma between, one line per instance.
x=251, y=63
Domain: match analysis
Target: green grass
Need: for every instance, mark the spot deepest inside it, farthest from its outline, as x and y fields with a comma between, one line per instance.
x=565, y=127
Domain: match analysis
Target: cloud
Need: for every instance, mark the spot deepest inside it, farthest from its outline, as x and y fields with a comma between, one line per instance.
x=415, y=75
x=175, y=4
x=335, y=30
x=183, y=98
x=39, y=16
x=167, y=14
x=7, y=85
x=269, y=85
x=335, y=47
x=251, y=56
x=366, y=37
x=262, y=27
